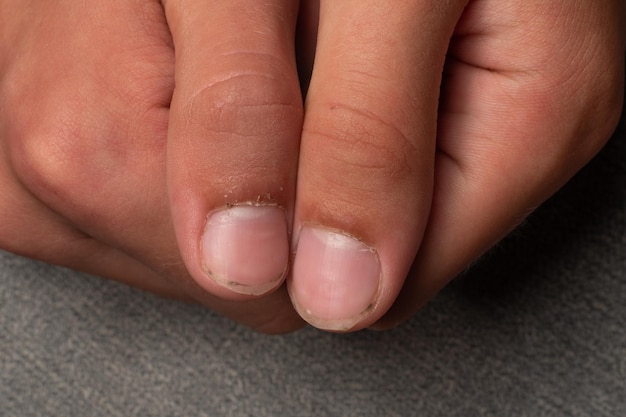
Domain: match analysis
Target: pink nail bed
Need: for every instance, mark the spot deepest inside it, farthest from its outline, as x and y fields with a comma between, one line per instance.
x=336, y=278
x=246, y=248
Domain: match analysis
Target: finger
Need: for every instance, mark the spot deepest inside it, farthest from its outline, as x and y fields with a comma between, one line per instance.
x=233, y=141
x=513, y=127
x=367, y=153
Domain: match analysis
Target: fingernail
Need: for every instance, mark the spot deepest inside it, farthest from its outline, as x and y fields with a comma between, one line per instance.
x=335, y=279
x=246, y=248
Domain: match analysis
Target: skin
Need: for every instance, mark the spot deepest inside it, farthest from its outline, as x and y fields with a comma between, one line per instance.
x=429, y=130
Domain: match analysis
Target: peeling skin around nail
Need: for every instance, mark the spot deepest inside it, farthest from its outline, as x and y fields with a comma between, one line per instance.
x=265, y=199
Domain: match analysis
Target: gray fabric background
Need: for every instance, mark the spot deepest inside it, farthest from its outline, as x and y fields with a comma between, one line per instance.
x=537, y=328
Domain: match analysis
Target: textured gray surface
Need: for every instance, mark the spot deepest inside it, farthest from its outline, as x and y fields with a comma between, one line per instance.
x=537, y=328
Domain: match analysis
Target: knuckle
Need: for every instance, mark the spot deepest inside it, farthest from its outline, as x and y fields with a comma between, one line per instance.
x=587, y=87
x=608, y=100
x=246, y=104
x=39, y=152
x=64, y=148
x=353, y=144
x=595, y=106
x=44, y=160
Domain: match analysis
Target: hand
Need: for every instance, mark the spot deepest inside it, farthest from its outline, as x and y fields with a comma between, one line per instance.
x=367, y=153
x=531, y=91
x=528, y=98
x=88, y=161
x=85, y=92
